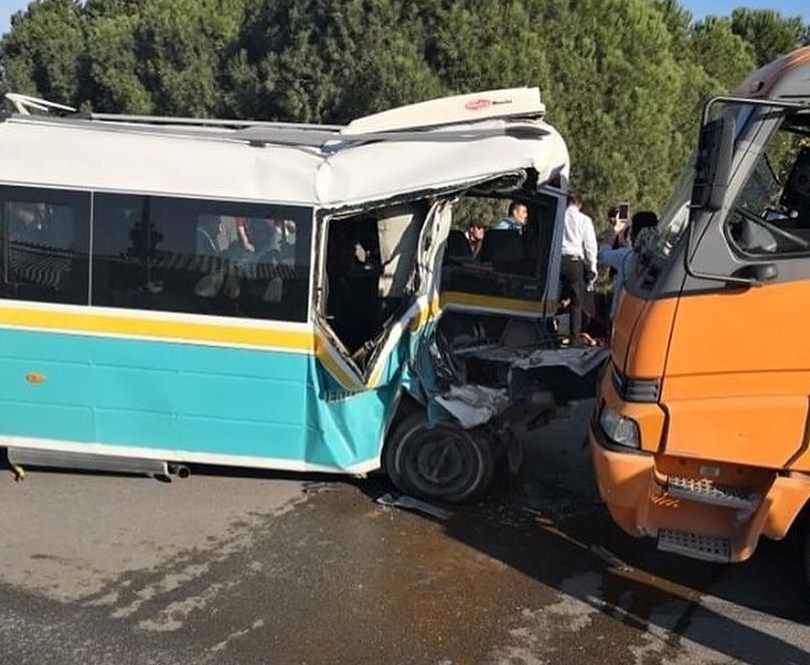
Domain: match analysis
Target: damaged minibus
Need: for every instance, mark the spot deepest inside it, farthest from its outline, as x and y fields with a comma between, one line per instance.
x=283, y=296
x=701, y=438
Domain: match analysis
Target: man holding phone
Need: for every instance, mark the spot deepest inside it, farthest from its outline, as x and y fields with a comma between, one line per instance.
x=618, y=218
x=617, y=250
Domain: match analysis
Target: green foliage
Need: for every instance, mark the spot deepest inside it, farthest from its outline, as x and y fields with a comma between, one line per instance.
x=484, y=211
x=768, y=32
x=612, y=92
x=727, y=57
x=45, y=52
x=623, y=80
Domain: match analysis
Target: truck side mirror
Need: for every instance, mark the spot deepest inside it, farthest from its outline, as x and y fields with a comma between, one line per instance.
x=713, y=164
x=758, y=273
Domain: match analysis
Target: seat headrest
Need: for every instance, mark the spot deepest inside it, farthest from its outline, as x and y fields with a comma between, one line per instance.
x=502, y=245
x=457, y=245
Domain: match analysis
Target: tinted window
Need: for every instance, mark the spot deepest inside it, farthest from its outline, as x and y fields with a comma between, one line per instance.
x=45, y=240
x=206, y=257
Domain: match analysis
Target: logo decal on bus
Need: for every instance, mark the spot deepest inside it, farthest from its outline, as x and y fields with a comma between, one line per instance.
x=477, y=104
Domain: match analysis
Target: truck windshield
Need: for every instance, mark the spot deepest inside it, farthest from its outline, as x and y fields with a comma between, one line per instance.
x=675, y=216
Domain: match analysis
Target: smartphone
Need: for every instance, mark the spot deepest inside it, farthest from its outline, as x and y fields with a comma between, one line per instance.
x=624, y=211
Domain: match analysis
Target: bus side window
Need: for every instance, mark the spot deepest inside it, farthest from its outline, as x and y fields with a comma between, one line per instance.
x=202, y=257
x=45, y=245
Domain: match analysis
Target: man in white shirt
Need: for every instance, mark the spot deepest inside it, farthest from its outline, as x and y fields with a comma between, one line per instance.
x=578, y=269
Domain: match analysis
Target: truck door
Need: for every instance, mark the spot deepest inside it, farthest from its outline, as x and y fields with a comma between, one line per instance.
x=514, y=270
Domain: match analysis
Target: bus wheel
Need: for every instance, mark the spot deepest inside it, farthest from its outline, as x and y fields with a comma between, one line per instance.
x=440, y=462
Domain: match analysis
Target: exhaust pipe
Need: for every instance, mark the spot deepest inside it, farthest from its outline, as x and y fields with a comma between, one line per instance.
x=180, y=470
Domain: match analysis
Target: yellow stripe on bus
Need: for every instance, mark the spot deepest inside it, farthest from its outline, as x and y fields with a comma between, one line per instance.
x=322, y=351
x=426, y=313
x=183, y=331
x=492, y=302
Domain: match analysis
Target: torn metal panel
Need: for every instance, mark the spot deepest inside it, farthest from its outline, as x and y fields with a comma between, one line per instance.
x=412, y=503
x=405, y=262
x=571, y=374
x=473, y=405
x=579, y=361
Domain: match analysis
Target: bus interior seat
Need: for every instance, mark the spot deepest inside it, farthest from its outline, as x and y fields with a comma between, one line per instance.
x=504, y=249
x=457, y=249
x=353, y=271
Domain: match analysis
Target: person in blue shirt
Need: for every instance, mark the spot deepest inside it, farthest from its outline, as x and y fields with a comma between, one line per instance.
x=518, y=215
x=619, y=254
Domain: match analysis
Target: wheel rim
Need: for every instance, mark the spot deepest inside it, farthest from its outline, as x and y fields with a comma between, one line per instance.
x=440, y=462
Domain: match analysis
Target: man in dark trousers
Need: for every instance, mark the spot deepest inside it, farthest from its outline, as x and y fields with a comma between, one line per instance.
x=578, y=269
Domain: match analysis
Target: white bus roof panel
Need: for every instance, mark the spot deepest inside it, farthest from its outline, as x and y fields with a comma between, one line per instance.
x=201, y=163
x=77, y=157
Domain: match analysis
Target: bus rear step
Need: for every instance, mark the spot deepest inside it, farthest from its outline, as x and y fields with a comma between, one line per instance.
x=694, y=545
x=22, y=457
x=705, y=491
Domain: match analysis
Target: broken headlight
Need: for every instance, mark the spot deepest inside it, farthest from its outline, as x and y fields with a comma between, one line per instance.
x=618, y=429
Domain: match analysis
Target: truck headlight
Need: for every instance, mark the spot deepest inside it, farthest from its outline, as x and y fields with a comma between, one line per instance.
x=620, y=430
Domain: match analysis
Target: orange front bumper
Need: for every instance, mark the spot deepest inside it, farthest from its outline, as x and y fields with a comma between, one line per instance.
x=633, y=491
x=625, y=481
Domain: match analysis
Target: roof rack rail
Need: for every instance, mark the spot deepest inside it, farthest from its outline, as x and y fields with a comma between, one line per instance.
x=455, y=118
x=24, y=104
x=208, y=122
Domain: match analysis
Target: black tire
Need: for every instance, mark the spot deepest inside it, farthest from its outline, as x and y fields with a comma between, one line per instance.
x=443, y=462
x=806, y=553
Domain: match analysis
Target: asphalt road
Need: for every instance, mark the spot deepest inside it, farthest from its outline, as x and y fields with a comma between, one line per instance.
x=277, y=569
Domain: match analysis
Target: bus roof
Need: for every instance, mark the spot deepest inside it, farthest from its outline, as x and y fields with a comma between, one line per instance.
x=418, y=148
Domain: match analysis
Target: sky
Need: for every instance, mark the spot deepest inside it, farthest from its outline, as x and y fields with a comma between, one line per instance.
x=7, y=8
x=701, y=8
x=698, y=7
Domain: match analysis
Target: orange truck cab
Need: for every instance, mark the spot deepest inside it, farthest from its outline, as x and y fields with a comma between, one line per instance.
x=701, y=434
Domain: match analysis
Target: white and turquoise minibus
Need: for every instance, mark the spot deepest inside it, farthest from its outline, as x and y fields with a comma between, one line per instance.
x=283, y=296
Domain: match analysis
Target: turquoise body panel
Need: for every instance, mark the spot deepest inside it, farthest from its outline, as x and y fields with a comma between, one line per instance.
x=175, y=397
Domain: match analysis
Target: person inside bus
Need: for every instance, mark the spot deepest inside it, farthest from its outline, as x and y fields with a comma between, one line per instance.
x=259, y=236
x=268, y=242
x=475, y=237
x=517, y=216
x=288, y=241
x=217, y=236
x=28, y=222
x=618, y=254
